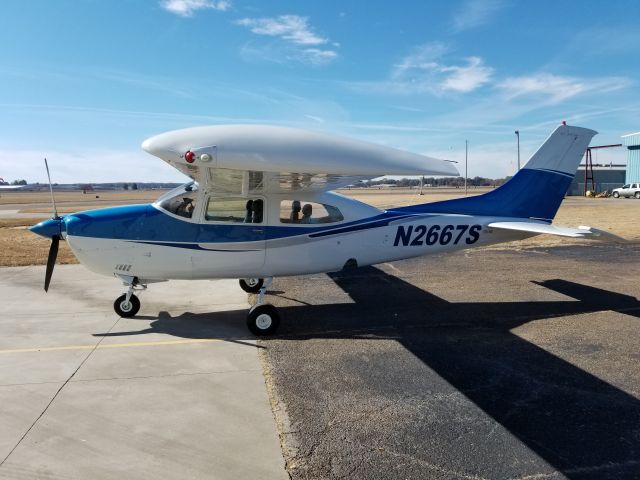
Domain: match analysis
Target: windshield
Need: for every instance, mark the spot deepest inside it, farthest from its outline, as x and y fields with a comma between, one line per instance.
x=180, y=201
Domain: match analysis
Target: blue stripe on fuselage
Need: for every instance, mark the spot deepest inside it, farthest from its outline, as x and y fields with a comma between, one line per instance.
x=531, y=193
x=145, y=223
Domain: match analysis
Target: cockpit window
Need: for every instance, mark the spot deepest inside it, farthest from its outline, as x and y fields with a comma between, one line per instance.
x=180, y=201
x=301, y=212
x=234, y=210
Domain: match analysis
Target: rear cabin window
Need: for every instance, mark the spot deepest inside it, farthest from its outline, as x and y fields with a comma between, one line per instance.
x=301, y=212
x=234, y=210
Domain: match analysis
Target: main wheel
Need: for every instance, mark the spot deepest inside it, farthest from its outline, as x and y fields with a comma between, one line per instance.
x=616, y=195
x=263, y=320
x=637, y=195
x=126, y=309
x=251, y=285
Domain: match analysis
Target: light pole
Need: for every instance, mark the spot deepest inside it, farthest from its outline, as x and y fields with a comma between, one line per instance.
x=466, y=161
x=517, y=132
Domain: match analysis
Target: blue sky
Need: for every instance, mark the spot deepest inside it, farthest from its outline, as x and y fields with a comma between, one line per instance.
x=85, y=82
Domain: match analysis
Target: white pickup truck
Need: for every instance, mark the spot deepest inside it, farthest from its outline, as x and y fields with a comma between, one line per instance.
x=626, y=191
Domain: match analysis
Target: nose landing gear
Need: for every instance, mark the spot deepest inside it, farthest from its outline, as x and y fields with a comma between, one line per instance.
x=127, y=305
x=263, y=319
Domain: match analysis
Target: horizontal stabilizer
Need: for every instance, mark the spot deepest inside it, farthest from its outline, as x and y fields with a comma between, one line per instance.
x=535, y=227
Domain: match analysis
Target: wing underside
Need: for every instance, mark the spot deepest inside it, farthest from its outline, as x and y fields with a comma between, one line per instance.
x=243, y=182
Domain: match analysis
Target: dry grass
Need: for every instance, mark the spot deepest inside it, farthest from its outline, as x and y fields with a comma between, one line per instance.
x=18, y=246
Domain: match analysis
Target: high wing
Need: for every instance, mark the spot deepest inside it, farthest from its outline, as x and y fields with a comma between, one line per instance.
x=269, y=159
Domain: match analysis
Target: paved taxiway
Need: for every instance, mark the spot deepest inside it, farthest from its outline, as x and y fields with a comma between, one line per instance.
x=167, y=394
x=488, y=364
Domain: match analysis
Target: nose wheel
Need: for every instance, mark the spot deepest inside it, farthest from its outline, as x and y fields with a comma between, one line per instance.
x=127, y=305
x=126, y=308
x=263, y=319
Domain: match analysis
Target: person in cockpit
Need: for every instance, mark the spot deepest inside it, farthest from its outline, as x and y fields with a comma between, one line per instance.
x=294, y=217
x=257, y=211
x=307, y=210
x=185, y=209
x=249, y=215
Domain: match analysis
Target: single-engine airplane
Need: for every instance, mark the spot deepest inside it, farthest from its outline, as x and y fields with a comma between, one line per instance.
x=260, y=205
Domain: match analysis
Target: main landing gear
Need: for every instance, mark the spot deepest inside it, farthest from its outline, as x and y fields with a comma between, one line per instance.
x=251, y=285
x=127, y=305
x=263, y=319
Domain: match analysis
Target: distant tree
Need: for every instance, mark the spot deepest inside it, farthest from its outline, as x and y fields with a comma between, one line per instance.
x=134, y=186
x=19, y=182
x=125, y=186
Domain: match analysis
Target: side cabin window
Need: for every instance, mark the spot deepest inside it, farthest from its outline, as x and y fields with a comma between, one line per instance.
x=234, y=210
x=301, y=212
x=183, y=203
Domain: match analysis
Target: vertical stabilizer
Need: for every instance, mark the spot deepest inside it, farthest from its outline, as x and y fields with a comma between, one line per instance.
x=536, y=191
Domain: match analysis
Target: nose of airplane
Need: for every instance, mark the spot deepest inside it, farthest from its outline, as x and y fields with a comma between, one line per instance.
x=49, y=228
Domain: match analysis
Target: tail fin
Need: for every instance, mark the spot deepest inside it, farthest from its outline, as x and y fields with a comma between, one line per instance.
x=536, y=191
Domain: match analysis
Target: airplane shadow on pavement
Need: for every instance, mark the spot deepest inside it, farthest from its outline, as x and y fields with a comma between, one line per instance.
x=582, y=426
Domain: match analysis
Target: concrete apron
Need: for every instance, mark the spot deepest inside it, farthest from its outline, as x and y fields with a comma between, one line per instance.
x=167, y=394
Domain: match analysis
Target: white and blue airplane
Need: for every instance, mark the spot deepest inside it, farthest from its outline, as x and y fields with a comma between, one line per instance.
x=260, y=205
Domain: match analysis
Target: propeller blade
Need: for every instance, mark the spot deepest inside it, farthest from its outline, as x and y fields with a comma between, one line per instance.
x=53, y=201
x=51, y=261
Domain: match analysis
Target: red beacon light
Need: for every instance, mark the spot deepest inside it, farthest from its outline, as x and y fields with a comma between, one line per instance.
x=564, y=122
x=189, y=156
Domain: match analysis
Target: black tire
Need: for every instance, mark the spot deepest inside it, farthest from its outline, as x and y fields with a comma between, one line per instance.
x=616, y=195
x=126, y=311
x=637, y=195
x=263, y=320
x=251, y=285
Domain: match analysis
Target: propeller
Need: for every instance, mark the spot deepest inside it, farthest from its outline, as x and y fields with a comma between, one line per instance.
x=51, y=261
x=51, y=228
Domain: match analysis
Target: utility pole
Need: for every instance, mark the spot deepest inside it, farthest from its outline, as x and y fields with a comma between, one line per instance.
x=466, y=161
x=517, y=132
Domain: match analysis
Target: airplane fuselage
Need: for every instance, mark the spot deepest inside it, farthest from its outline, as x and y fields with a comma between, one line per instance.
x=152, y=244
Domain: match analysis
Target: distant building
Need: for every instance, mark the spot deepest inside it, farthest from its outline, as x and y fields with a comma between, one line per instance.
x=632, y=142
x=606, y=177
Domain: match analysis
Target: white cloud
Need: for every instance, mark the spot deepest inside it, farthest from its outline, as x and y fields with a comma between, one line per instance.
x=292, y=28
x=422, y=57
x=317, y=56
x=423, y=71
x=466, y=78
x=301, y=42
x=474, y=13
x=186, y=8
x=558, y=88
